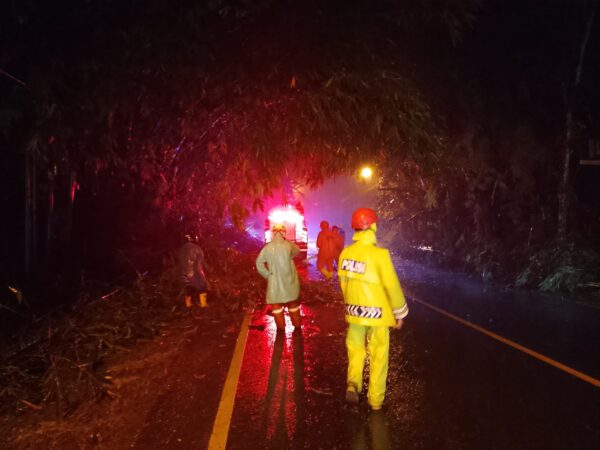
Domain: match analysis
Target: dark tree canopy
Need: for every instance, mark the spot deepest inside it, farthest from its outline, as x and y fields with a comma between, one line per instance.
x=196, y=110
x=203, y=96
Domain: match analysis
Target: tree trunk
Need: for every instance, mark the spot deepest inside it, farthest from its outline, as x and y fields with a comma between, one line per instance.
x=50, y=220
x=28, y=216
x=563, y=190
x=34, y=214
x=69, y=213
x=564, y=187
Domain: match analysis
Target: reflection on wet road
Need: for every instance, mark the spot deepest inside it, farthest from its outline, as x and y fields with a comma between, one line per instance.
x=558, y=328
x=283, y=409
x=291, y=389
x=449, y=386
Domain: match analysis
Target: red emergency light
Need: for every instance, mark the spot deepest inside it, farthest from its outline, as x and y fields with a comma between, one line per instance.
x=295, y=225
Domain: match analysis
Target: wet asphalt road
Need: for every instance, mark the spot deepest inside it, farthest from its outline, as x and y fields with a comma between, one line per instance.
x=449, y=387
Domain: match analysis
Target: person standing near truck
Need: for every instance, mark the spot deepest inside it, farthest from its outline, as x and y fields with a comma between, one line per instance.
x=326, y=244
x=339, y=244
x=275, y=264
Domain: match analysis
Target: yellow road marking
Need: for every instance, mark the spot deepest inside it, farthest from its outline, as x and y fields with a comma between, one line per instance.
x=218, y=437
x=582, y=376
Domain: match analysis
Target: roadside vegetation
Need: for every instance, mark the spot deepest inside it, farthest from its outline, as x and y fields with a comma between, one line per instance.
x=112, y=347
x=224, y=102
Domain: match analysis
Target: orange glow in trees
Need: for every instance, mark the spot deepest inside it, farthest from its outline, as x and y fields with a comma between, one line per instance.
x=366, y=173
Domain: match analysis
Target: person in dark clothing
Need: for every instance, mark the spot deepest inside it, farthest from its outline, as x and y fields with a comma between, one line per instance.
x=326, y=244
x=339, y=244
x=190, y=262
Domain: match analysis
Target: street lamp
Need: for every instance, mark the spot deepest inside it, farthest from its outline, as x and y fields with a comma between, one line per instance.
x=366, y=173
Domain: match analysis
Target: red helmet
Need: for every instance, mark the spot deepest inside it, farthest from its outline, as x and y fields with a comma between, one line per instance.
x=363, y=218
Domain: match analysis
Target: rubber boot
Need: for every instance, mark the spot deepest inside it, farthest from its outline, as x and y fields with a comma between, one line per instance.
x=202, y=298
x=188, y=301
x=295, y=316
x=279, y=319
x=327, y=274
x=352, y=394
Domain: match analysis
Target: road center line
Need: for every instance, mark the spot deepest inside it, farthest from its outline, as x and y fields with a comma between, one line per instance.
x=218, y=437
x=582, y=376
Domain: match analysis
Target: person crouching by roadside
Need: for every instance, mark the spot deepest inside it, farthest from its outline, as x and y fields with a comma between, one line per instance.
x=190, y=262
x=275, y=264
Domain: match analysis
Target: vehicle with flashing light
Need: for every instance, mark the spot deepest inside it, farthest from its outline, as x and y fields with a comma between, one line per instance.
x=295, y=225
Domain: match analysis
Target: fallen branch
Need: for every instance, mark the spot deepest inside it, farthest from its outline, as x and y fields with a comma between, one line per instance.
x=31, y=405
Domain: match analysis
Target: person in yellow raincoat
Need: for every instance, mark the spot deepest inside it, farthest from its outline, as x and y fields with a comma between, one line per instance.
x=275, y=263
x=374, y=303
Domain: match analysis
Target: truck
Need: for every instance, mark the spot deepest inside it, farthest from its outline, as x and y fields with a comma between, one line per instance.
x=292, y=216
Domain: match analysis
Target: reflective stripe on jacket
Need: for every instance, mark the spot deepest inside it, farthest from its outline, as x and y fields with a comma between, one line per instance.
x=371, y=289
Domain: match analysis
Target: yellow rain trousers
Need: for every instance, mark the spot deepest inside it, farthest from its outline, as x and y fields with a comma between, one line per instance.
x=379, y=345
x=374, y=302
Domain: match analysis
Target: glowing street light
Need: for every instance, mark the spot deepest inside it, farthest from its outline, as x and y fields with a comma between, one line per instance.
x=366, y=173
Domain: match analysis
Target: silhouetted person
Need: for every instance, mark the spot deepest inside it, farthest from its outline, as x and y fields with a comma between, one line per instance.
x=190, y=261
x=326, y=244
x=339, y=243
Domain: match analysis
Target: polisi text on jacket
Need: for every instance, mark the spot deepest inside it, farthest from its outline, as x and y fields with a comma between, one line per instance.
x=353, y=266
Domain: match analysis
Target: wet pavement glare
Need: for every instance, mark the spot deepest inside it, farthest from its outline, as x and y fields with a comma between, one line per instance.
x=449, y=387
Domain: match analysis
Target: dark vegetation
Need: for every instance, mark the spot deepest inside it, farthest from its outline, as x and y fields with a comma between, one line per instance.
x=520, y=97
x=133, y=121
x=126, y=123
x=66, y=358
x=61, y=358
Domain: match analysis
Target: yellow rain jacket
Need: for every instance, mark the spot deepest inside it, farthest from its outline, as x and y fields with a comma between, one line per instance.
x=371, y=289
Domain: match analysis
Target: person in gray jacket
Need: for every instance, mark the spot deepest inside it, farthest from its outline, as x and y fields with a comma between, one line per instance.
x=190, y=262
x=275, y=263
